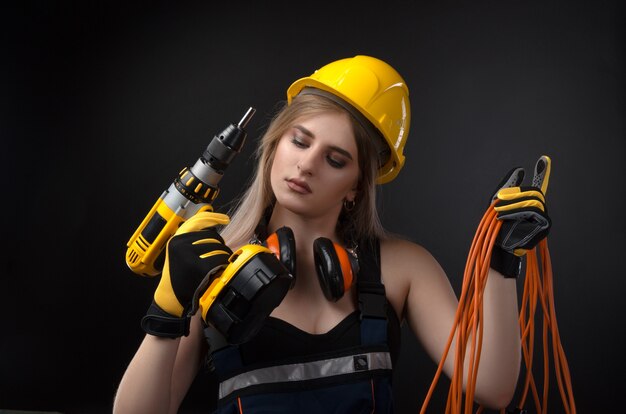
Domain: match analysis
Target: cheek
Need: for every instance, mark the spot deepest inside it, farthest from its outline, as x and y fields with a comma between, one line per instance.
x=274, y=172
x=278, y=158
x=279, y=163
x=343, y=184
x=353, y=175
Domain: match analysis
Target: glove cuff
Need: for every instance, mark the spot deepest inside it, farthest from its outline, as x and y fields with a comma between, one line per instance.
x=157, y=322
x=506, y=263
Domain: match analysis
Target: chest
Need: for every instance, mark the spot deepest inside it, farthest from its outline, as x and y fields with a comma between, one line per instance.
x=311, y=312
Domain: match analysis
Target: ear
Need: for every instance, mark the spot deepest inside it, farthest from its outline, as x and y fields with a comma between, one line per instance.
x=351, y=195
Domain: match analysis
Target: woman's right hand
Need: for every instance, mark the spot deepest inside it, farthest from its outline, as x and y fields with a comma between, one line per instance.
x=196, y=251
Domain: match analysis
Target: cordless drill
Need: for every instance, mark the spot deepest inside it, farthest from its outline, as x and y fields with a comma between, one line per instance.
x=194, y=190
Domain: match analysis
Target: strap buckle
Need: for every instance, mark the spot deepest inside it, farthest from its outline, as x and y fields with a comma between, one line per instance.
x=372, y=299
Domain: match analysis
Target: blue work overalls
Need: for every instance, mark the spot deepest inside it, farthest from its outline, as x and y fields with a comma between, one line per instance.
x=355, y=379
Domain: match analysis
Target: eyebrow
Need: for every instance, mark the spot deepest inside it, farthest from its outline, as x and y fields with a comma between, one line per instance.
x=340, y=150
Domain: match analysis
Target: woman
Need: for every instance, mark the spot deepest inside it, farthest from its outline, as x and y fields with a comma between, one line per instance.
x=328, y=345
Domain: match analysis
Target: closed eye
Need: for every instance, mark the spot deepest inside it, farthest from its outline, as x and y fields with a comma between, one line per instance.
x=298, y=142
x=337, y=157
x=335, y=162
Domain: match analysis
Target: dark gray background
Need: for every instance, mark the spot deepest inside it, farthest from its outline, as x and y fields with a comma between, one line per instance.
x=102, y=105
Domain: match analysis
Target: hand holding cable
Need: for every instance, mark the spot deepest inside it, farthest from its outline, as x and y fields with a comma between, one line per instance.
x=515, y=224
x=524, y=216
x=195, y=253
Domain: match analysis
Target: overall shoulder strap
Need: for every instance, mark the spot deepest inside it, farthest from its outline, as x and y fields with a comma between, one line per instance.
x=371, y=294
x=222, y=357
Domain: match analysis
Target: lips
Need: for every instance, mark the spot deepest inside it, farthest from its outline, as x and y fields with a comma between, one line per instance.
x=298, y=186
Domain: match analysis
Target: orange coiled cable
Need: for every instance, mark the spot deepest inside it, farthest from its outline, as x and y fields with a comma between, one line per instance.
x=538, y=287
x=468, y=330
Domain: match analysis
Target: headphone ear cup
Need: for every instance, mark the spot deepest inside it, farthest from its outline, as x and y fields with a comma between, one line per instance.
x=248, y=289
x=335, y=268
x=283, y=244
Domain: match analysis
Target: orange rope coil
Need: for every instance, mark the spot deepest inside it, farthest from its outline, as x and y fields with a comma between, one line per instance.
x=468, y=327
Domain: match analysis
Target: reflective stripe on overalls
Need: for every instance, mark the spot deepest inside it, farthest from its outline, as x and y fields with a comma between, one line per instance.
x=353, y=380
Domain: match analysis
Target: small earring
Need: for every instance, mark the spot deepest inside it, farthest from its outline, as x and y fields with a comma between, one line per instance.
x=349, y=205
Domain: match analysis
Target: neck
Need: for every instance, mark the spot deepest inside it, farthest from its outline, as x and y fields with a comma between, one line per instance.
x=305, y=228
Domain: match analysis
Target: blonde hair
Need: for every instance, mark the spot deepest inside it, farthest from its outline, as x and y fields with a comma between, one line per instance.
x=361, y=222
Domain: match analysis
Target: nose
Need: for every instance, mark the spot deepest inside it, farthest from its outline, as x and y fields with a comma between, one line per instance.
x=306, y=163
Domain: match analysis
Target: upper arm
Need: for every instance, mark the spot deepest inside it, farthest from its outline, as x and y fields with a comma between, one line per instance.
x=420, y=291
x=416, y=282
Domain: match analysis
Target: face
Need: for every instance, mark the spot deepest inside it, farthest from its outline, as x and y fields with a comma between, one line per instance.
x=315, y=166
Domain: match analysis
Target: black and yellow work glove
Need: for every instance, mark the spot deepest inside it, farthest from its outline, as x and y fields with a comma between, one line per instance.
x=524, y=216
x=194, y=253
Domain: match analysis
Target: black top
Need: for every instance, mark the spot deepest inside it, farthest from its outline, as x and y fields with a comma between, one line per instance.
x=278, y=339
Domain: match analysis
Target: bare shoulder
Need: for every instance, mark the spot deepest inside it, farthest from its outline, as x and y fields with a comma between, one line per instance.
x=400, y=256
x=407, y=266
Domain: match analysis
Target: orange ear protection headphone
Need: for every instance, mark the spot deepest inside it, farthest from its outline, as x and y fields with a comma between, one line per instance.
x=258, y=277
x=336, y=266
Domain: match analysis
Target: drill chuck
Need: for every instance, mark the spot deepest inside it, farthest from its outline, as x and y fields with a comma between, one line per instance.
x=192, y=191
x=223, y=147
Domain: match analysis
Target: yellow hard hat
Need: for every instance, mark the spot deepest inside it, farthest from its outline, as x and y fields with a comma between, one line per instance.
x=377, y=92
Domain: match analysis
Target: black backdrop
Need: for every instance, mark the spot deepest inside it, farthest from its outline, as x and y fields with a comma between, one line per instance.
x=103, y=104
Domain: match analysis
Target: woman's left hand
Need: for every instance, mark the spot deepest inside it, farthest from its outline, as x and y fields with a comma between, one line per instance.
x=522, y=209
